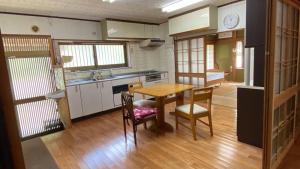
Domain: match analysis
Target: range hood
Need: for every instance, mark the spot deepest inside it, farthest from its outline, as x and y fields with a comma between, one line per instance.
x=151, y=43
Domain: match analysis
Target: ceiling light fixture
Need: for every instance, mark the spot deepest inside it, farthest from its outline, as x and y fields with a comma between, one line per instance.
x=110, y=1
x=178, y=5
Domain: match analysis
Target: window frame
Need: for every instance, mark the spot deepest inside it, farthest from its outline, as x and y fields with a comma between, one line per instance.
x=94, y=44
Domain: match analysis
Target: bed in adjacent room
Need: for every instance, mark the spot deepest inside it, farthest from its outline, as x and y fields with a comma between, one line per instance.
x=214, y=77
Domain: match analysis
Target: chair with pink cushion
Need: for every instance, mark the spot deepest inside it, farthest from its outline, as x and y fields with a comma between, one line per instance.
x=137, y=115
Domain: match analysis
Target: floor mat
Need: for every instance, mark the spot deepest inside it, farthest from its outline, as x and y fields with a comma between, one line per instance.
x=36, y=155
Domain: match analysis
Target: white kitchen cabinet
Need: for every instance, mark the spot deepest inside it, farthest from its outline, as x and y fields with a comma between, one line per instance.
x=119, y=29
x=74, y=99
x=91, y=98
x=151, y=31
x=87, y=99
x=155, y=31
x=202, y=19
x=148, y=31
x=113, y=29
x=107, y=95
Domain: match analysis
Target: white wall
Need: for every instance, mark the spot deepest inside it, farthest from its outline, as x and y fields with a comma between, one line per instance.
x=57, y=28
x=161, y=58
x=238, y=8
x=142, y=58
x=167, y=58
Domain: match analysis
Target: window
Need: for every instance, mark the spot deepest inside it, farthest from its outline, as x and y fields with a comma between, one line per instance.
x=109, y=55
x=100, y=55
x=239, y=54
x=83, y=55
x=210, y=56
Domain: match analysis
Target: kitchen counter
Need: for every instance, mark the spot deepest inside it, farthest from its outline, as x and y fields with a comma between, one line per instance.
x=113, y=77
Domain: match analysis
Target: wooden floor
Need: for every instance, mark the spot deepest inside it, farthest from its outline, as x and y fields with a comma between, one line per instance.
x=292, y=160
x=99, y=143
x=226, y=94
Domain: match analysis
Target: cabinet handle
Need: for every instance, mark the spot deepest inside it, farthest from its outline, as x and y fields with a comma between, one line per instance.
x=76, y=89
x=102, y=84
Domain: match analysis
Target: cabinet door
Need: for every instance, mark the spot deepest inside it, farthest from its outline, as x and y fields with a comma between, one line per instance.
x=256, y=22
x=118, y=29
x=107, y=95
x=148, y=31
x=91, y=98
x=151, y=31
x=74, y=100
x=155, y=31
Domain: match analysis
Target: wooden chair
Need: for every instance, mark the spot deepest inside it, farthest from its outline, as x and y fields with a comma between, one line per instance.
x=139, y=115
x=142, y=102
x=194, y=111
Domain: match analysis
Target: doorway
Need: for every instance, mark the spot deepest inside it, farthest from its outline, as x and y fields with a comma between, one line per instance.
x=30, y=60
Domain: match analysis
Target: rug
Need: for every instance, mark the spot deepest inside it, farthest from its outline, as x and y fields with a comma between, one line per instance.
x=36, y=155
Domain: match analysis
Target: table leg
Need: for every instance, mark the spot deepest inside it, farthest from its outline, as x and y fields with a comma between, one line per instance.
x=162, y=125
x=179, y=100
x=161, y=108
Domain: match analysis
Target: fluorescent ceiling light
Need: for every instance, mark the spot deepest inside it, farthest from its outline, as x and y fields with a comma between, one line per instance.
x=179, y=4
x=110, y=1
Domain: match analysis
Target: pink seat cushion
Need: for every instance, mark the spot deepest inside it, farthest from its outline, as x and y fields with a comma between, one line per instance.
x=141, y=112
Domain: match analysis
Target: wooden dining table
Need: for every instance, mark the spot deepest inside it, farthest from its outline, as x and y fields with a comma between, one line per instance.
x=161, y=92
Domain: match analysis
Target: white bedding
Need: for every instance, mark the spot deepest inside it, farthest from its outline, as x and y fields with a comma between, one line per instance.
x=214, y=75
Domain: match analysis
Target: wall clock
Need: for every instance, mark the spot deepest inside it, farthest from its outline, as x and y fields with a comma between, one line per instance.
x=231, y=21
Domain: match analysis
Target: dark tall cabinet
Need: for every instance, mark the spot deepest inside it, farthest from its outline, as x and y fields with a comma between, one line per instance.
x=255, y=36
x=250, y=100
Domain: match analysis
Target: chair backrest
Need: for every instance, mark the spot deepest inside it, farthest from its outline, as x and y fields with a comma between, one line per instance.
x=202, y=94
x=133, y=86
x=127, y=105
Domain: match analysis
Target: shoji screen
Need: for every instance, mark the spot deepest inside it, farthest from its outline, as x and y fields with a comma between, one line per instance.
x=30, y=67
x=190, y=61
x=198, y=60
x=183, y=62
x=282, y=80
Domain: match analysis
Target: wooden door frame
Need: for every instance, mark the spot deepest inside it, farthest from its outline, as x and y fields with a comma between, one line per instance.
x=14, y=152
x=269, y=83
